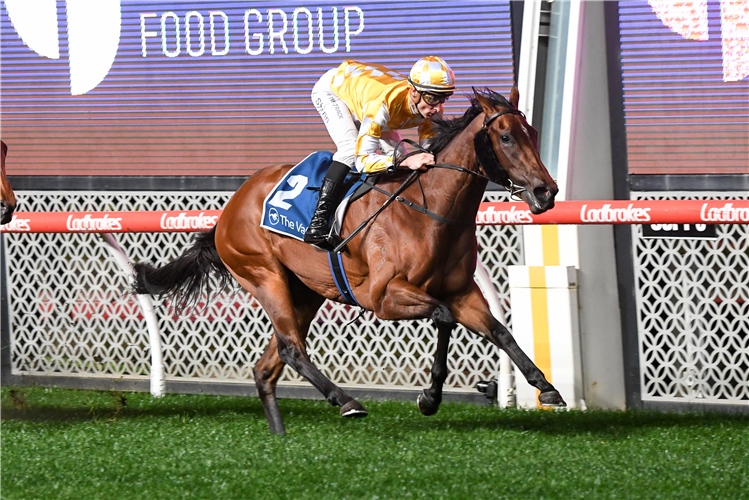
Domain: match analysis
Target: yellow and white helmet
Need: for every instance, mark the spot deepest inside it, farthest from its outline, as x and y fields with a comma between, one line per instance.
x=432, y=74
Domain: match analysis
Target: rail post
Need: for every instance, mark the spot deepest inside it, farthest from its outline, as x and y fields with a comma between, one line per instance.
x=158, y=382
x=505, y=389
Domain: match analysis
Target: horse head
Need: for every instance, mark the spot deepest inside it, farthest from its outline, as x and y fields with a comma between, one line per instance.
x=7, y=197
x=507, y=149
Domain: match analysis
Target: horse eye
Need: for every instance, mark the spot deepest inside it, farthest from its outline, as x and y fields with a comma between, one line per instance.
x=506, y=138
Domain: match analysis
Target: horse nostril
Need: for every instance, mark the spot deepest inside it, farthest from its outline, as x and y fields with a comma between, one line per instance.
x=542, y=193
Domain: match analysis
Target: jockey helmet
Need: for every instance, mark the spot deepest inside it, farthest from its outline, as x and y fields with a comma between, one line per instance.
x=432, y=74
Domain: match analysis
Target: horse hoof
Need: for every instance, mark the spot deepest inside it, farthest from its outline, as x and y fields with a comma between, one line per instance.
x=278, y=432
x=277, y=428
x=551, y=398
x=353, y=409
x=426, y=407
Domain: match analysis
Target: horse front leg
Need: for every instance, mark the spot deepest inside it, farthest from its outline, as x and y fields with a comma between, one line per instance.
x=406, y=301
x=472, y=311
x=429, y=400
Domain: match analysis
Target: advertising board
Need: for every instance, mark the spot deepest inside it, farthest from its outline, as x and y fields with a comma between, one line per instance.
x=156, y=88
x=685, y=68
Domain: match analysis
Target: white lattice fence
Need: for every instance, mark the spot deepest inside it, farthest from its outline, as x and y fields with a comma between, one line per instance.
x=71, y=315
x=693, y=312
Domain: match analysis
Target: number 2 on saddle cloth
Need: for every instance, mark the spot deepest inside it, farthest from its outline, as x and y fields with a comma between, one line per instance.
x=289, y=206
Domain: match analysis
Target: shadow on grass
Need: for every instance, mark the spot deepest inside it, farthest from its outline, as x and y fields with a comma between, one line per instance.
x=66, y=406
x=607, y=424
x=28, y=405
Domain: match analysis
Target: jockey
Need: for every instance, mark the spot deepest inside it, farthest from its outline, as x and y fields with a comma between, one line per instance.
x=363, y=107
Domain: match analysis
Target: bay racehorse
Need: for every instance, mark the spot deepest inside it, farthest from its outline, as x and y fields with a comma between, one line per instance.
x=404, y=265
x=7, y=197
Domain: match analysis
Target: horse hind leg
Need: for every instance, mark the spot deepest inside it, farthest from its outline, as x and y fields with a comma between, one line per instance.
x=292, y=315
x=307, y=303
x=293, y=352
x=267, y=371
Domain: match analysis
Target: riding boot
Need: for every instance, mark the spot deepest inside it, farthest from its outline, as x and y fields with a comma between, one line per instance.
x=318, y=232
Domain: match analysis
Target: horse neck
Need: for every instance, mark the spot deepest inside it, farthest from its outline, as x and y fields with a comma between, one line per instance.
x=453, y=194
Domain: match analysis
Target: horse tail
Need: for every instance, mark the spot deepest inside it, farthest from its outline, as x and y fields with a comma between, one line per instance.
x=187, y=278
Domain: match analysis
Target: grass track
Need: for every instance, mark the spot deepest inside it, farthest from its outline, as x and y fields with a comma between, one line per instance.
x=85, y=444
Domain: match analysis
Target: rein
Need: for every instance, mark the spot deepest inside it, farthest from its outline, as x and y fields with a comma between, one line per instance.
x=488, y=163
x=401, y=188
x=482, y=136
x=423, y=209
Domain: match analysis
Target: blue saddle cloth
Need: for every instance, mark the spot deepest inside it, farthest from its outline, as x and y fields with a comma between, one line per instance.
x=289, y=206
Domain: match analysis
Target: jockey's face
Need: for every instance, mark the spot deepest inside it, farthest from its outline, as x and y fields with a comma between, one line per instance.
x=425, y=109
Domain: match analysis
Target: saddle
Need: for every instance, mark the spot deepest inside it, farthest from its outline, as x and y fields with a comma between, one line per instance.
x=289, y=206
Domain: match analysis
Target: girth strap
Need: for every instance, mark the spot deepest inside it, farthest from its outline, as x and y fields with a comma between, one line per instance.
x=339, y=278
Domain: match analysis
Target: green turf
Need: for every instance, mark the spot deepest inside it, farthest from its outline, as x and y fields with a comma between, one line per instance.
x=87, y=445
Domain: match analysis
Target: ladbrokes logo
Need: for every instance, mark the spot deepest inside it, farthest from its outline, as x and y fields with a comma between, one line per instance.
x=183, y=221
x=726, y=213
x=17, y=224
x=93, y=35
x=89, y=223
x=608, y=214
x=511, y=216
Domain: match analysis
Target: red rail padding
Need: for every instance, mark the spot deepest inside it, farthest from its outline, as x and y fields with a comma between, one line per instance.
x=492, y=213
x=112, y=222
x=620, y=212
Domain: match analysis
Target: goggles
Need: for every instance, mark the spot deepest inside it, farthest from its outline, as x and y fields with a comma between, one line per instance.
x=435, y=99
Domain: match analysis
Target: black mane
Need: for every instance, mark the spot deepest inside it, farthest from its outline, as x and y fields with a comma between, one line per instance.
x=446, y=129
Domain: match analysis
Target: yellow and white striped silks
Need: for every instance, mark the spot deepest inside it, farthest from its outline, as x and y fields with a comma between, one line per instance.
x=377, y=100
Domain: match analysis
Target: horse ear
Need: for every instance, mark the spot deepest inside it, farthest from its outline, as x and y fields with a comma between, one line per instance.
x=514, y=96
x=484, y=102
x=4, y=148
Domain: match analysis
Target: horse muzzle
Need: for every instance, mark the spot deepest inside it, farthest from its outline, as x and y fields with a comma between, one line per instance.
x=540, y=199
x=6, y=212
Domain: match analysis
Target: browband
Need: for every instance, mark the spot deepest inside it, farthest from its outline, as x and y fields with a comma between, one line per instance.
x=513, y=111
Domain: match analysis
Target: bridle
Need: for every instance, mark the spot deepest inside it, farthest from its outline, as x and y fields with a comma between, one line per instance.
x=488, y=161
x=487, y=157
x=484, y=153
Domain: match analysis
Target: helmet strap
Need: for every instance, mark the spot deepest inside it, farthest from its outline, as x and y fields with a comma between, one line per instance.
x=416, y=104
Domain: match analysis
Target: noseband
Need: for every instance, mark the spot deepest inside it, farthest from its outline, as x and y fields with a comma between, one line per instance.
x=482, y=144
